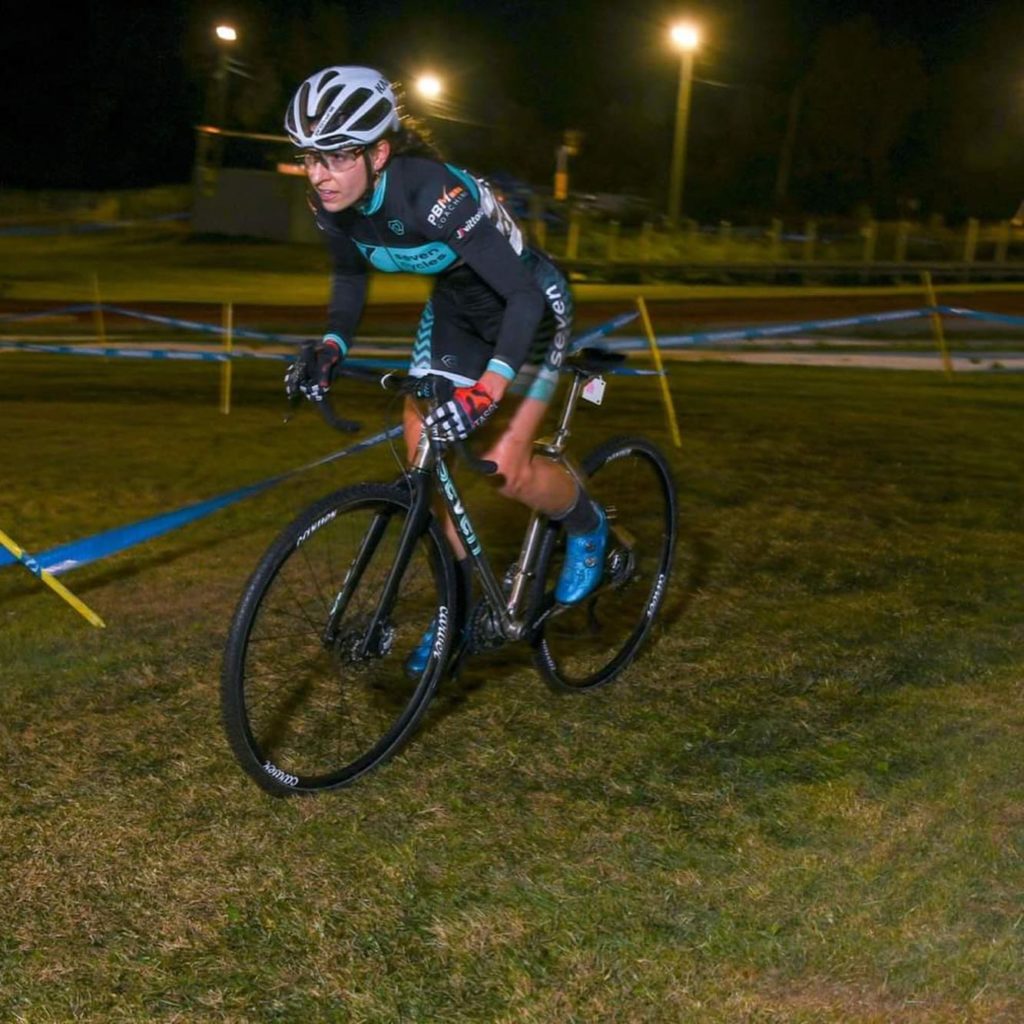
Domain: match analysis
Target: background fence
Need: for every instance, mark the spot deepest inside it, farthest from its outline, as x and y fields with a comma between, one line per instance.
x=623, y=242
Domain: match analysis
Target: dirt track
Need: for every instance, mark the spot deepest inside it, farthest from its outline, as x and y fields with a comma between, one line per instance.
x=668, y=316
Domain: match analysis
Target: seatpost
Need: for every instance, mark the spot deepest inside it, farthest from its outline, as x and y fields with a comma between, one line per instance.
x=554, y=446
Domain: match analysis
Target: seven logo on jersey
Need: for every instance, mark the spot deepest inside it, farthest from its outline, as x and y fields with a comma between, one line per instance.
x=431, y=258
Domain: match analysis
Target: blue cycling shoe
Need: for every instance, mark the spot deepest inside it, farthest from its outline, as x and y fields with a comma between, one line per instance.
x=417, y=660
x=584, y=562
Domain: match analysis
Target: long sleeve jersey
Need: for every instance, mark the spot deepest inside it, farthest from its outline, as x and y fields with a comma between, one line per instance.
x=425, y=217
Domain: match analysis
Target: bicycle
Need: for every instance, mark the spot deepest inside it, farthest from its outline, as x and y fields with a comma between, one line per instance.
x=314, y=689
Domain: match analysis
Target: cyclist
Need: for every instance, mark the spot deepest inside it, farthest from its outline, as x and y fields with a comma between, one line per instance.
x=499, y=315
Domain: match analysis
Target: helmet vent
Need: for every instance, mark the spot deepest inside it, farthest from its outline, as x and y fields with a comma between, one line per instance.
x=351, y=105
x=377, y=114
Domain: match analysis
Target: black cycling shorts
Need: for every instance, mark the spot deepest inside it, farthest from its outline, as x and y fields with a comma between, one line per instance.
x=459, y=329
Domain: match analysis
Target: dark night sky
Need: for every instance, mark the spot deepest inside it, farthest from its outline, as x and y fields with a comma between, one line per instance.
x=119, y=85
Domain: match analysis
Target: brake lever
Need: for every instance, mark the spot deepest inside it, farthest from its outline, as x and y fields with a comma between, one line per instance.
x=332, y=419
x=485, y=467
x=293, y=405
x=327, y=413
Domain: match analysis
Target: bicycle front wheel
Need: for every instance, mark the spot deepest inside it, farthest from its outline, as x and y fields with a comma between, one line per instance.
x=314, y=689
x=583, y=646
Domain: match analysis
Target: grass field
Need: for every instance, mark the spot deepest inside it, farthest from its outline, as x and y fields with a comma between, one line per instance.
x=802, y=805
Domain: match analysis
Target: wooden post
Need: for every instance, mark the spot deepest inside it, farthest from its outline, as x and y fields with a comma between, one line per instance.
x=971, y=240
x=870, y=233
x=810, y=240
x=1002, y=241
x=646, y=237
x=970, y=246
x=940, y=334
x=572, y=240
x=775, y=240
x=774, y=245
x=666, y=394
x=97, y=311
x=538, y=225
x=902, y=239
x=725, y=237
x=225, y=367
x=613, y=241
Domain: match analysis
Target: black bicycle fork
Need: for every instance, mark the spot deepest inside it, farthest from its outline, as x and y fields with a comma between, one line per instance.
x=375, y=641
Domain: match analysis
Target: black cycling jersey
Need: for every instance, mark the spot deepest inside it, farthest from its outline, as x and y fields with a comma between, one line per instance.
x=426, y=217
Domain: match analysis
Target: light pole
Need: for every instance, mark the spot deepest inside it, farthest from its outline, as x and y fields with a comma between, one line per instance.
x=209, y=150
x=226, y=35
x=685, y=37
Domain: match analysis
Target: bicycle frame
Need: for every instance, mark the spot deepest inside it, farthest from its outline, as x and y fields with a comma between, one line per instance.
x=428, y=461
x=512, y=615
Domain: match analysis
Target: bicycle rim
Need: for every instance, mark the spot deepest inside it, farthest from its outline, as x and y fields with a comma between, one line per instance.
x=312, y=698
x=585, y=646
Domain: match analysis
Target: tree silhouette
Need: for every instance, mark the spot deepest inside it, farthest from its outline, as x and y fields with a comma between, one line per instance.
x=859, y=97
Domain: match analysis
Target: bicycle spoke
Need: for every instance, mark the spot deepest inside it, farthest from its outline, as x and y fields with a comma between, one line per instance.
x=310, y=696
x=587, y=645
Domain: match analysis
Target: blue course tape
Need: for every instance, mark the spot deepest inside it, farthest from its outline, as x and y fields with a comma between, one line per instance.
x=768, y=331
x=186, y=355
x=110, y=542
x=181, y=355
x=238, y=332
x=192, y=325
x=971, y=314
x=198, y=325
x=599, y=332
x=12, y=317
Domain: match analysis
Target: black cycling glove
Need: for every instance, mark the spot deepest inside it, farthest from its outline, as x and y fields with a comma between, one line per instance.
x=313, y=372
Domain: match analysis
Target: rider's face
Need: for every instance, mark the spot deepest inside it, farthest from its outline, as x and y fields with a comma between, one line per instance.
x=342, y=182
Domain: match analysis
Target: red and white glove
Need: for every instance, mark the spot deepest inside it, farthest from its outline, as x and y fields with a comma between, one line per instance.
x=457, y=418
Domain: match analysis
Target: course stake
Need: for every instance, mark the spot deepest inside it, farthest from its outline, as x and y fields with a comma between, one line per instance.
x=50, y=580
x=940, y=334
x=666, y=394
x=97, y=310
x=225, y=367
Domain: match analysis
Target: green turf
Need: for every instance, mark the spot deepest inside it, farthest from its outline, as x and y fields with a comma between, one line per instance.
x=802, y=805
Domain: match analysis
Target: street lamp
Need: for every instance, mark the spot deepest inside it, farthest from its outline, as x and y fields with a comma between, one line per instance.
x=685, y=37
x=226, y=35
x=429, y=86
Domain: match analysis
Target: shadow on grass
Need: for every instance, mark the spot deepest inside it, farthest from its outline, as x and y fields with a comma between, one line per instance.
x=693, y=562
x=19, y=585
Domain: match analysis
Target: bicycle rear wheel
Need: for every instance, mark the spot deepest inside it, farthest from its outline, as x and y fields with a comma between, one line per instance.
x=584, y=646
x=313, y=694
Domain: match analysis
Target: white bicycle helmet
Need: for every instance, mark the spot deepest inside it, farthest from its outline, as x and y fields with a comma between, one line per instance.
x=341, y=107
